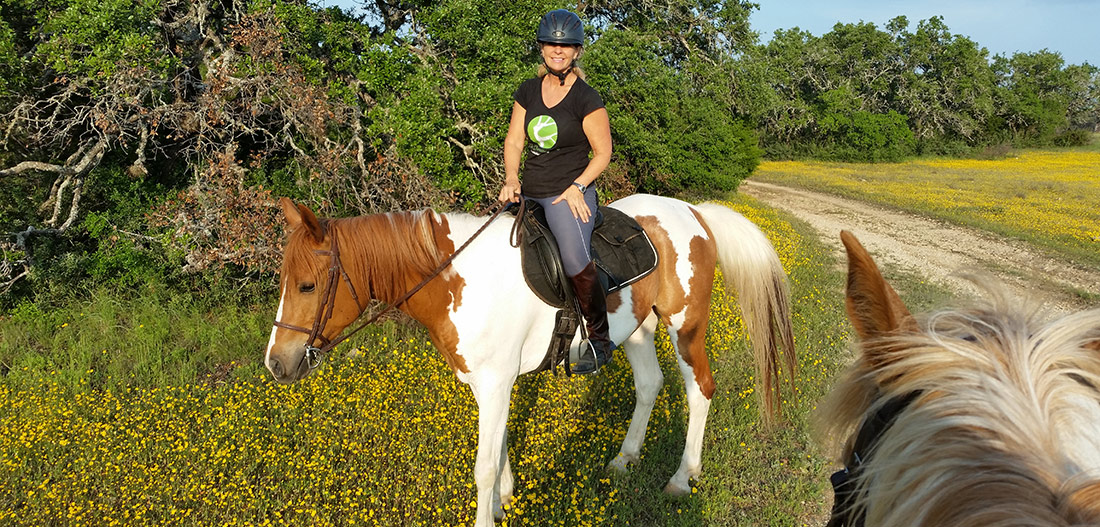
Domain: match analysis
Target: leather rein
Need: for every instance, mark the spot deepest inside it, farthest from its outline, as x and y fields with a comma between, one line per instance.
x=314, y=354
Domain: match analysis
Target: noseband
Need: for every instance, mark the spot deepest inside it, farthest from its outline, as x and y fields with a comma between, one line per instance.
x=325, y=309
x=844, y=483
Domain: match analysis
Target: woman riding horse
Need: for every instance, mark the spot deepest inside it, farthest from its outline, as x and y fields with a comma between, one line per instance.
x=560, y=118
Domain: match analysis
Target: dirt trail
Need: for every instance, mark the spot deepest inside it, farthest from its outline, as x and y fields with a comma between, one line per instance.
x=936, y=249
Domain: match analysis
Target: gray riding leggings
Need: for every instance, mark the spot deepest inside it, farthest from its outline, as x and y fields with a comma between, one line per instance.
x=574, y=236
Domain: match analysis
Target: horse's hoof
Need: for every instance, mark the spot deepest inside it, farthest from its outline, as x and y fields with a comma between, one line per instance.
x=621, y=463
x=674, y=489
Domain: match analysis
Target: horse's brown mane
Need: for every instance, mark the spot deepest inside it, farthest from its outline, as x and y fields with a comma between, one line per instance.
x=980, y=445
x=387, y=247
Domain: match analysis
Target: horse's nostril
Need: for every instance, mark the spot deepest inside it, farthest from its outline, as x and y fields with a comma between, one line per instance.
x=276, y=367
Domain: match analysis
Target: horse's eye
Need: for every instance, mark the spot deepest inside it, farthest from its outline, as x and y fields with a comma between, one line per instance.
x=306, y=287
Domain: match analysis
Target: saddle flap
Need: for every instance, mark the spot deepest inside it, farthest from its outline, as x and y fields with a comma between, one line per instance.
x=541, y=260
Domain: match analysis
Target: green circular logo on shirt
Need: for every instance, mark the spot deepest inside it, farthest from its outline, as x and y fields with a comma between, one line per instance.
x=543, y=131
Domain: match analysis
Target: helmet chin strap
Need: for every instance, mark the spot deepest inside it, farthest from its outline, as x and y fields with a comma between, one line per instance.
x=561, y=76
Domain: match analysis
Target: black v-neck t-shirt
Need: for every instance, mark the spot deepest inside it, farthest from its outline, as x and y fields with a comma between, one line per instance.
x=557, y=149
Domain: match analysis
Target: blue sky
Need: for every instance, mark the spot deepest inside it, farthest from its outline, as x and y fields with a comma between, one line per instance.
x=1070, y=27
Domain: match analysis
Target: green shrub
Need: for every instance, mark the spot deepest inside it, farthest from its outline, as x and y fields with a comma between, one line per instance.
x=671, y=138
x=708, y=150
x=852, y=134
x=1073, y=138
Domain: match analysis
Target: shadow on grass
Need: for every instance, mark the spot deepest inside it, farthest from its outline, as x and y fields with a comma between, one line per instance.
x=575, y=480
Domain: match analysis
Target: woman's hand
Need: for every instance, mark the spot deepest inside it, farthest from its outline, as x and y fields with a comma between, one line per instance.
x=575, y=198
x=510, y=191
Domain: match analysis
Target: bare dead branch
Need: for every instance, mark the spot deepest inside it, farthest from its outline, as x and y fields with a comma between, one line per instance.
x=467, y=152
x=27, y=166
x=8, y=285
x=57, y=200
x=138, y=168
x=74, y=206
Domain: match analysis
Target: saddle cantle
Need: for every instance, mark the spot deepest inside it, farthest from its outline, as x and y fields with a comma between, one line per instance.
x=622, y=251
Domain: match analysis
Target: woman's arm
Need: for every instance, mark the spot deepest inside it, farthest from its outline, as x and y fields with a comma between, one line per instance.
x=513, y=149
x=597, y=128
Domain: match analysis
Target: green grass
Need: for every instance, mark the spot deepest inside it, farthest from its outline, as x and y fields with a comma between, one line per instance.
x=115, y=341
x=139, y=435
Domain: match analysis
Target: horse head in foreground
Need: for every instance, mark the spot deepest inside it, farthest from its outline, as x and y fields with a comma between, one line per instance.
x=490, y=327
x=984, y=416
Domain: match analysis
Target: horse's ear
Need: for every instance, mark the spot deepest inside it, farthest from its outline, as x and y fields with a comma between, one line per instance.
x=290, y=210
x=874, y=308
x=311, y=223
x=298, y=215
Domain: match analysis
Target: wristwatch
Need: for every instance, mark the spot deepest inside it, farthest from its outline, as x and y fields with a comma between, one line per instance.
x=580, y=186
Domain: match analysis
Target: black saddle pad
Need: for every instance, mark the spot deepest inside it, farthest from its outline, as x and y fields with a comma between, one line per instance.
x=622, y=250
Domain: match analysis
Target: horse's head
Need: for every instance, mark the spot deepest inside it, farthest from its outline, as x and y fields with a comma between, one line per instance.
x=980, y=416
x=316, y=301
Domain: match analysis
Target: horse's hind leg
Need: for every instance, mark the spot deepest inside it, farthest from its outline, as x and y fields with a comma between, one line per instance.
x=641, y=352
x=689, y=340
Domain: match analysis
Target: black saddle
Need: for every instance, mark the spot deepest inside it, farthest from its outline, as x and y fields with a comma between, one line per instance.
x=621, y=249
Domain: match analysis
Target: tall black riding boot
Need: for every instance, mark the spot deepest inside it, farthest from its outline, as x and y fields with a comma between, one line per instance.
x=593, y=302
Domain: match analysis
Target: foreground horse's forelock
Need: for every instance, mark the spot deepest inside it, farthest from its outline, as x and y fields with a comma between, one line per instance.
x=1001, y=420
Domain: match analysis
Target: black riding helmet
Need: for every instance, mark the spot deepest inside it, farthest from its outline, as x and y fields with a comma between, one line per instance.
x=561, y=26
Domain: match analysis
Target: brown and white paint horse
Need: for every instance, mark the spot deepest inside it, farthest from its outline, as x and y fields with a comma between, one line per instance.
x=984, y=416
x=490, y=327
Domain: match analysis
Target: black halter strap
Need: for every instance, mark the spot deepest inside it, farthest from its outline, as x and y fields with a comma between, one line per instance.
x=844, y=481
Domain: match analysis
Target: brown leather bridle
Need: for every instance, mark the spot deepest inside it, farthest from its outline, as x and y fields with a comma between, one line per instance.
x=324, y=310
x=314, y=354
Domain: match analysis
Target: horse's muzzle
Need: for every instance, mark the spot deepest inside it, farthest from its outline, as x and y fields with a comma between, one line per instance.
x=285, y=375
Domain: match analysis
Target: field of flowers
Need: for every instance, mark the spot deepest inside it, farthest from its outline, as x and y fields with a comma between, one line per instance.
x=1045, y=197
x=388, y=438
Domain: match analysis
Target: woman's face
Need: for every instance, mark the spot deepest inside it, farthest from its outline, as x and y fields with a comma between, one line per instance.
x=558, y=57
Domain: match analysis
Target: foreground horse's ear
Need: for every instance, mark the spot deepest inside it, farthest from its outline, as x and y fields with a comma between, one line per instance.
x=874, y=308
x=298, y=215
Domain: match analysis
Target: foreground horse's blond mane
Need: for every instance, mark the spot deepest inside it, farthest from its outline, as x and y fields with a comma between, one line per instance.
x=1000, y=431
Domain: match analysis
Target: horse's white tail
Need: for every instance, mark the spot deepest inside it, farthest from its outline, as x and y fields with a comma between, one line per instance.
x=752, y=268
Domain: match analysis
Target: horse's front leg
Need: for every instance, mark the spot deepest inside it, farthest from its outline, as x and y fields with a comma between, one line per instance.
x=493, y=395
x=505, y=484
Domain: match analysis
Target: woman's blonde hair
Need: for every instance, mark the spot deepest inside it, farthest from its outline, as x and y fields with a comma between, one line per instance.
x=576, y=64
